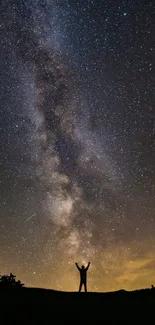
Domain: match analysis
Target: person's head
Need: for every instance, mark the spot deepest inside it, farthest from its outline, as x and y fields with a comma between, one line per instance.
x=82, y=267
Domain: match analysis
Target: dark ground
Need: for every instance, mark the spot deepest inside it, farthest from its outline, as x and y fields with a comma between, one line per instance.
x=41, y=306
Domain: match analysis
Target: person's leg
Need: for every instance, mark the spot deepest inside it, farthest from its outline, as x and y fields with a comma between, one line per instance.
x=80, y=286
x=85, y=287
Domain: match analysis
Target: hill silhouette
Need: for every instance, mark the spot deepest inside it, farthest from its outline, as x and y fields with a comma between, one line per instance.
x=34, y=305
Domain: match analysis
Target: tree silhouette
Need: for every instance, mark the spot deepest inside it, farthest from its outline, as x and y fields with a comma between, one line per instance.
x=9, y=281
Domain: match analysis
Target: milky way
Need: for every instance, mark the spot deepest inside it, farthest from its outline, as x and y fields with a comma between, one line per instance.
x=77, y=143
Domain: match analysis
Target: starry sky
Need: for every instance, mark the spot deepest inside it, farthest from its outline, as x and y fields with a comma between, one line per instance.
x=77, y=142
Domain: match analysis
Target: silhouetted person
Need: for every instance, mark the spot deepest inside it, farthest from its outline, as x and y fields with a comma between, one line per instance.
x=83, y=276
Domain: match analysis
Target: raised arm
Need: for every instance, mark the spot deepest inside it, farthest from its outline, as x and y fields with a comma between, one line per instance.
x=88, y=266
x=77, y=266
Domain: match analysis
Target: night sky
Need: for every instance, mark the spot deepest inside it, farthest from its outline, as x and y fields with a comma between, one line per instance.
x=77, y=142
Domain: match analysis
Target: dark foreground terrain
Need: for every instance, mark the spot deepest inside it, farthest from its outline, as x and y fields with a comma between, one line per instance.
x=41, y=306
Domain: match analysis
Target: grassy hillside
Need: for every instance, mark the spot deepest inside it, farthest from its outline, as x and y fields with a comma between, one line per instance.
x=47, y=306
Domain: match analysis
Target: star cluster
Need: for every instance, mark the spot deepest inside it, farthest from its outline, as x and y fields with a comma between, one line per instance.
x=77, y=142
